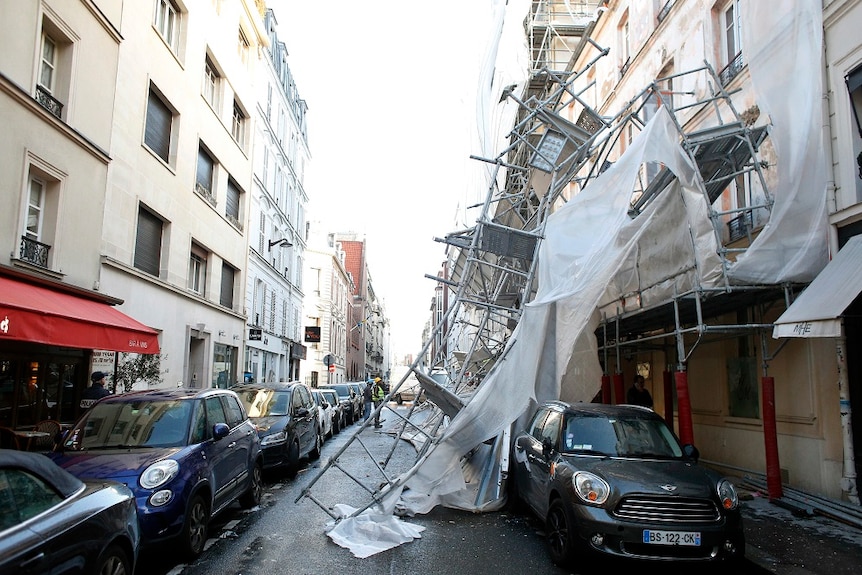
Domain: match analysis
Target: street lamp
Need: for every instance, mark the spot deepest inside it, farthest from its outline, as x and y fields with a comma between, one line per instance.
x=283, y=242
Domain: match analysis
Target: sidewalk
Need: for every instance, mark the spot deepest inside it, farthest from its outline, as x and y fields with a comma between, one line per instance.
x=785, y=544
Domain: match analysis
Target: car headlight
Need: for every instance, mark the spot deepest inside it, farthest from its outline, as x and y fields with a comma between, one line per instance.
x=279, y=437
x=591, y=488
x=727, y=495
x=159, y=473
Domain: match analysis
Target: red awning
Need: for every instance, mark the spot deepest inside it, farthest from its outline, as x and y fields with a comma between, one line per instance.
x=38, y=314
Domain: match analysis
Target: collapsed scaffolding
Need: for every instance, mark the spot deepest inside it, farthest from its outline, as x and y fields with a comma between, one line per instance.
x=559, y=151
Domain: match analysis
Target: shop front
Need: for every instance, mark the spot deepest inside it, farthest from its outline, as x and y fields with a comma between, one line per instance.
x=48, y=336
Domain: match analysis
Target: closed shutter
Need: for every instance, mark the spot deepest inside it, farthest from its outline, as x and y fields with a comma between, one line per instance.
x=205, y=170
x=227, y=280
x=157, y=135
x=232, y=203
x=148, y=243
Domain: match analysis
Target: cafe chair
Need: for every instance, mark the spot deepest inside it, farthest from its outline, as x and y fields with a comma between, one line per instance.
x=8, y=439
x=49, y=426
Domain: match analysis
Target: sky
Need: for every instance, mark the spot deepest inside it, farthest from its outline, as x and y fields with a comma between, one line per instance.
x=390, y=87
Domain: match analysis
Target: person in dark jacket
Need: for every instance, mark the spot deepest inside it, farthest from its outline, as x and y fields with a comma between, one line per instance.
x=638, y=394
x=96, y=391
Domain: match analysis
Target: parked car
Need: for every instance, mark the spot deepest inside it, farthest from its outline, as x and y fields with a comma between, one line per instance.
x=186, y=454
x=350, y=402
x=338, y=421
x=325, y=413
x=614, y=480
x=286, y=419
x=53, y=522
x=358, y=388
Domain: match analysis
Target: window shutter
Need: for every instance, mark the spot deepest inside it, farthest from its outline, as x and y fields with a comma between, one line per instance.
x=157, y=135
x=232, y=203
x=148, y=243
x=205, y=170
x=227, y=279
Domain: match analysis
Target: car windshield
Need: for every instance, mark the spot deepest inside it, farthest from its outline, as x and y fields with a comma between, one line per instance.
x=620, y=436
x=145, y=423
x=341, y=389
x=265, y=402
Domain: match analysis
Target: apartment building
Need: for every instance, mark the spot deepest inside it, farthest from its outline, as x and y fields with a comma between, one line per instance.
x=175, y=237
x=275, y=347
x=59, y=69
x=327, y=305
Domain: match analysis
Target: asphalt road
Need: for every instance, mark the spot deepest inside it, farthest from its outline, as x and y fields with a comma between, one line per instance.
x=282, y=536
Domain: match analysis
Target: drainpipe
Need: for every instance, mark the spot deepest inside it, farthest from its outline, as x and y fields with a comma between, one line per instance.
x=770, y=427
x=848, y=480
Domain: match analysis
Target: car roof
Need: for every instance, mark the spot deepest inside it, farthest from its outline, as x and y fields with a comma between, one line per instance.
x=167, y=394
x=601, y=409
x=274, y=385
x=42, y=466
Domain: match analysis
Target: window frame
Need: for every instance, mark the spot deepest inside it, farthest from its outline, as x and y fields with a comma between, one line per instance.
x=155, y=138
x=146, y=241
x=228, y=285
x=211, y=83
x=198, y=261
x=205, y=182
x=51, y=65
x=237, y=124
x=167, y=20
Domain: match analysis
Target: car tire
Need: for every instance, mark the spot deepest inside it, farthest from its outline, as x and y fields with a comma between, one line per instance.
x=560, y=534
x=113, y=561
x=314, y=454
x=515, y=502
x=293, y=458
x=252, y=496
x=194, y=533
x=399, y=399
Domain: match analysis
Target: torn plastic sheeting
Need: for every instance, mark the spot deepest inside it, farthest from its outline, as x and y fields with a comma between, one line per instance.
x=371, y=531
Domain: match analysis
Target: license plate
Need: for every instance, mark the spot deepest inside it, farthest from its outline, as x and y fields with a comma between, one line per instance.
x=688, y=538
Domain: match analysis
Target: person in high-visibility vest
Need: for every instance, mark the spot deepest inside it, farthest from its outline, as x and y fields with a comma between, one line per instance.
x=378, y=395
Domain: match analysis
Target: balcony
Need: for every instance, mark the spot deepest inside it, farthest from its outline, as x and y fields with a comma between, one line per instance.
x=205, y=193
x=34, y=252
x=730, y=71
x=49, y=102
x=740, y=226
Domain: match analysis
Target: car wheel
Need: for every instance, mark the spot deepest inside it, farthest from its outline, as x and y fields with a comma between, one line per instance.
x=293, y=458
x=255, y=491
x=560, y=534
x=515, y=502
x=399, y=399
x=113, y=561
x=330, y=432
x=318, y=443
x=194, y=533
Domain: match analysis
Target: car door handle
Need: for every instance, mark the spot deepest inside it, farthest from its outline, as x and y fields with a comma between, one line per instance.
x=231, y=444
x=32, y=560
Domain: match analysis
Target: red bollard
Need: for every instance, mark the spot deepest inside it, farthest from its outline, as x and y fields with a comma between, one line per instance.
x=619, y=389
x=686, y=430
x=606, y=389
x=770, y=439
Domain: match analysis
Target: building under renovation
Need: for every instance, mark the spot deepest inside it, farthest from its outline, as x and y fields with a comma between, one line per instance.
x=676, y=198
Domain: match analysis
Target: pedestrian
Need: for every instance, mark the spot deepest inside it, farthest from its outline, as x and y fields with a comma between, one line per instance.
x=638, y=394
x=367, y=395
x=96, y=391
x=378, y=396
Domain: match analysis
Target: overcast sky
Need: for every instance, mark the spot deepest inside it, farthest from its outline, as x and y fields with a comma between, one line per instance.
x=390, y=90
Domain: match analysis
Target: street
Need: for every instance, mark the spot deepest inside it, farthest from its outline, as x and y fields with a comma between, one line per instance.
x=282, y=536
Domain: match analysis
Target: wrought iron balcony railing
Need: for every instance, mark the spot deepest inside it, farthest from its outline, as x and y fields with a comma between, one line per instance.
x=34, y=252
x=49, y=102
x=739, y=226
x=730, y=71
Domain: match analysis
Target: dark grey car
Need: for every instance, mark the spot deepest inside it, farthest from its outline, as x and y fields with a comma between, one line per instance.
x=614, y=480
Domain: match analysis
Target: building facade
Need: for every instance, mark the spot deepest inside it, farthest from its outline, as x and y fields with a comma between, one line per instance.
x=276, y=258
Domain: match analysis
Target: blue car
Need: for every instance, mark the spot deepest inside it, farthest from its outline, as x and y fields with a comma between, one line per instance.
x=186, y=454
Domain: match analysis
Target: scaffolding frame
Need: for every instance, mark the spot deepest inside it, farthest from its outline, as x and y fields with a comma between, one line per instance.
x=492, y=264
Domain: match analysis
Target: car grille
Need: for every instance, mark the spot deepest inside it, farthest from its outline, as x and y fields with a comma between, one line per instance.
x=667, y=509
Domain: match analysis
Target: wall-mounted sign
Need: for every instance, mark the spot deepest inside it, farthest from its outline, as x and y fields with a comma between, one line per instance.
x=312, y=334
x=255, y=334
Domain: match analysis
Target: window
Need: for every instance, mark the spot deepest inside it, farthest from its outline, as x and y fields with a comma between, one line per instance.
x=228, y=275
x=237, y=128
x=211, y=84
x=148, y=242
x=729, y=27
x=33, y=228
x=243, y=46
x=625, y=50
x=198, y=269
x=25, y=497
x=232, y=204
x=160, y=118
x=49, y=63
x=204, y=175
x=167, y=21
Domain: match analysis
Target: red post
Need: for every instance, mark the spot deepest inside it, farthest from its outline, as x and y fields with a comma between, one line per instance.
x=606, y=389
x=619, y=389
x=686, y=431
x=770, y=439
x=667, y=380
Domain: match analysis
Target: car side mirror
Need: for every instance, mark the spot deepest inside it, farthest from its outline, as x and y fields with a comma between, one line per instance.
x=691, y=452
x=302, y=412
x=220, y=431
x=547, y=448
